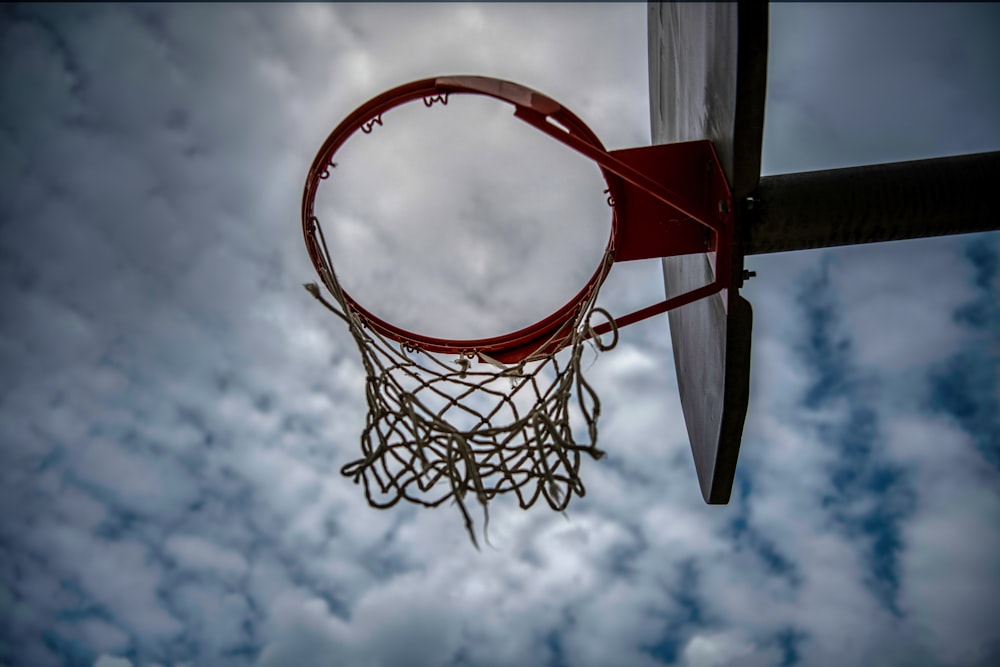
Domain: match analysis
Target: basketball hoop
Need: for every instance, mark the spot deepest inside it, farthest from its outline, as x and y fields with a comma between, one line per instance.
x=504, y=425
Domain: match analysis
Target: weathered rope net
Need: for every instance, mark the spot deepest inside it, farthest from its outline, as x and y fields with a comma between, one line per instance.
x=438, y=431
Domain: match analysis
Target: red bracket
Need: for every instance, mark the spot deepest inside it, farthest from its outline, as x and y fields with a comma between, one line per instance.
x=654, y=222
x=649, y=227
x=653, y=219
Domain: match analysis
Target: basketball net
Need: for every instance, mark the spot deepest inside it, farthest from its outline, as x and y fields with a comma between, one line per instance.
x=439, y=429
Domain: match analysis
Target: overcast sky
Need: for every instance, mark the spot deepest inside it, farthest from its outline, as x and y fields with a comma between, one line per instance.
x=175, y=408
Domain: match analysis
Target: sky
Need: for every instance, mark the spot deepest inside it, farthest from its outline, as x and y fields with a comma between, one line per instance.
x=175, y=408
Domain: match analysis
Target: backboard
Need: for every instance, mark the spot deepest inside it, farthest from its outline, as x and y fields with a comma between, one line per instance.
x=707, y=80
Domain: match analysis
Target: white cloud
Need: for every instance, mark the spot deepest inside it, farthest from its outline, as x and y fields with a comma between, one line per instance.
x=176, y=408
x=201, y=554
x=117, y=574
x=143, y=482
x=898, y=322
x=306, y=631
x=715, y=650
x=217, y=618
x=949, y=567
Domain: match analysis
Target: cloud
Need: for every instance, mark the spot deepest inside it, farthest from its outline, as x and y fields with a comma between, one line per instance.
x=718, y=649
x=175, y=409
x=112, y=661
x=821, y=94
x=948, y=588
x=200, y=554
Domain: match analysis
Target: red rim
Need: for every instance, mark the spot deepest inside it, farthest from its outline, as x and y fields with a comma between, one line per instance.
x=526, y=101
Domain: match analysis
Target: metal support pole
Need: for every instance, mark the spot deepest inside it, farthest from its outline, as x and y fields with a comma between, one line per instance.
x=885, y=202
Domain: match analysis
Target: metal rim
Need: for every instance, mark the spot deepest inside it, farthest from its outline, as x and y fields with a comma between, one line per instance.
x=432, y=91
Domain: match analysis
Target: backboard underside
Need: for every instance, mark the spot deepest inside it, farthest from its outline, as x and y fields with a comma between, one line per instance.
x=707, y=75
